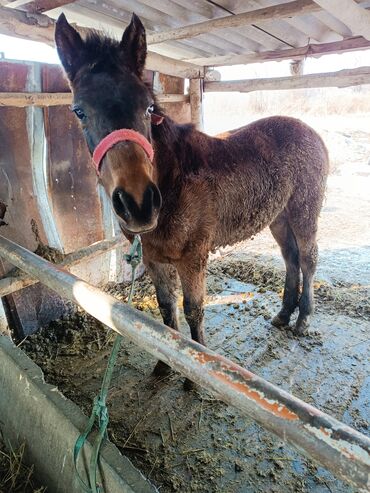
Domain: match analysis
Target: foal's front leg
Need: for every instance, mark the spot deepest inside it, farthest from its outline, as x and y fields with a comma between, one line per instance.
x=165, y=280
x=192, y=275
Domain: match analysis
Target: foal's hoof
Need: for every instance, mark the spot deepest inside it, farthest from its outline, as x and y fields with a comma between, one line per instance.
x=301, y=326
x=280, y=320
x=161, y=369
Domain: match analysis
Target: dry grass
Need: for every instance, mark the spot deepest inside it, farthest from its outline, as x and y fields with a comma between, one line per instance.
x=15, y=476
x=314, y=102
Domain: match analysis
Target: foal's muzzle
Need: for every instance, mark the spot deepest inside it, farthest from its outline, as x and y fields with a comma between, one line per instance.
x=137, y=218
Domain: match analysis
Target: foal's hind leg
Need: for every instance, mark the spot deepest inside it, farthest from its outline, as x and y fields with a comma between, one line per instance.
x=305, y=234
x=284, y=236
x=165, y=280
x=308, y=253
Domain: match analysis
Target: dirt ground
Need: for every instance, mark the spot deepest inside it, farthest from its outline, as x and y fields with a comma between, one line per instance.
x=191, y=442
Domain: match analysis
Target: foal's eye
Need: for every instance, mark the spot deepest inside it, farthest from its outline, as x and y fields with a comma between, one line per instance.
x=78, y=112
x=149, y=110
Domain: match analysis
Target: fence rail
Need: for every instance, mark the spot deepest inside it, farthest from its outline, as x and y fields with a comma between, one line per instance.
x=45, y=99
x=341, y=449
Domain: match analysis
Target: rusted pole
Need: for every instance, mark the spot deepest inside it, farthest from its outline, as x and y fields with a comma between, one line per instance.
x=10, y=284
x=339, y=448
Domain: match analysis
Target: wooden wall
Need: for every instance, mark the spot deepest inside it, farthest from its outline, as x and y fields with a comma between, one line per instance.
x=47, y=181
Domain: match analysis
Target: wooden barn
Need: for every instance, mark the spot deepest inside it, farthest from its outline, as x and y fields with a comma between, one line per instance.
x=274, y=412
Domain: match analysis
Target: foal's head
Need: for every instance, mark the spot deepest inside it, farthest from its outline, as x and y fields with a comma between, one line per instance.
x=109, y=94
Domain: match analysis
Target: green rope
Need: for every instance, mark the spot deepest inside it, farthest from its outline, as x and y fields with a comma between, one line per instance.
x=99, y=412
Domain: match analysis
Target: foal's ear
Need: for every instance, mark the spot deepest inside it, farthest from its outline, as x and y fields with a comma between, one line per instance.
x=69, y=45
x=133, y=46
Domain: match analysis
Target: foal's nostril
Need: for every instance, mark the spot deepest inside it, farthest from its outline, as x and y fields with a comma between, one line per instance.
x=137, y=214
x=120, y=204
x=156, y=197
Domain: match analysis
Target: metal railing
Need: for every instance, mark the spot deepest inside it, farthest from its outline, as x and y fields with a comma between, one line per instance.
x=339, y=448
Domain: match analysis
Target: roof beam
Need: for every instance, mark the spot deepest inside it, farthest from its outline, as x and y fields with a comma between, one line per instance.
x=342, y=78
x=311, y=50
x=283, y=11
x=39, y=27
x=352, y=15
x=19, y=24
x=37, y=5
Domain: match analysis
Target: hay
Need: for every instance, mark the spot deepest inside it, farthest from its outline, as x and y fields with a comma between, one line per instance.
x=15, y=476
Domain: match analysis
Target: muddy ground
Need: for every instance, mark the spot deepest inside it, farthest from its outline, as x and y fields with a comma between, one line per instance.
x=191, y=442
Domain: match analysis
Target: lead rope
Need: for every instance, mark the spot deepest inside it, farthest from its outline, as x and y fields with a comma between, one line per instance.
x=100, y=411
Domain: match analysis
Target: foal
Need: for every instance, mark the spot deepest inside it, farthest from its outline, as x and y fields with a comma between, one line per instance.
x=198, y=192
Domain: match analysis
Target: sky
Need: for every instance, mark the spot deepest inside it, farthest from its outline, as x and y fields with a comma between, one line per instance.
x=20, y=49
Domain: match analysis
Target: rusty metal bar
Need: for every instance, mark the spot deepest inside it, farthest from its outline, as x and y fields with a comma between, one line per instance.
x=341, y=449
x=11, y=284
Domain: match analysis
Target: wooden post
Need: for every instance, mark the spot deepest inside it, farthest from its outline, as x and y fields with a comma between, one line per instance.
x=196, y=96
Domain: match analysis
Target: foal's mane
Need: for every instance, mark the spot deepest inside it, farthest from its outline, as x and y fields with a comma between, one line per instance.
x=100, y=47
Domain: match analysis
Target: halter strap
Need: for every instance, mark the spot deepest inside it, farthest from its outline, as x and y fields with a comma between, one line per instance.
x=124, y=134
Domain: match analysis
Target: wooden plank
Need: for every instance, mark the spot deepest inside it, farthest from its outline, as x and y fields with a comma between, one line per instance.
x=352, y=15
x=178, y=13
x=22, y=99
x=342, y=78
x=195, y=92
x=311, y=50
x=333, y=24
x=38, y=6
x=115, y=19
x=283, y=11
x=170, y=66
x=40, y=27
x=35, y=305
x=180, y=110
x=167, y=14
x=36, y=28
x=172, y=98
x=72, y=180
x=16, y=182
x=47, y=99
x=255, y=39
x=278, y=30
x=11, y=284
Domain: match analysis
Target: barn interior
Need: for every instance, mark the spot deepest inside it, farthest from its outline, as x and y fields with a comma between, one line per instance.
x=182, y=441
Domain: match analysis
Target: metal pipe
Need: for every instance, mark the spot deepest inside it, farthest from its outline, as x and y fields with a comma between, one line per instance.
x=341, y=449
x=11, y=284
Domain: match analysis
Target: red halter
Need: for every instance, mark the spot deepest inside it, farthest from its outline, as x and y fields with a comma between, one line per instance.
x=116, y=136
